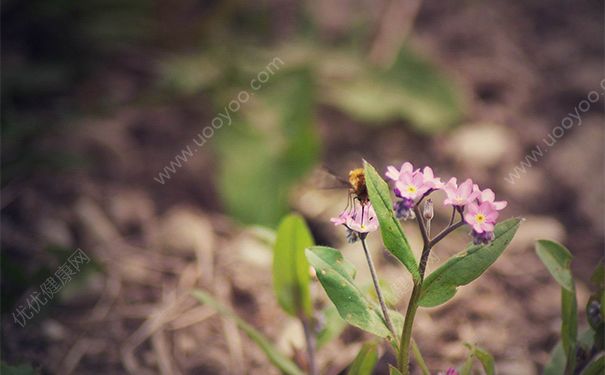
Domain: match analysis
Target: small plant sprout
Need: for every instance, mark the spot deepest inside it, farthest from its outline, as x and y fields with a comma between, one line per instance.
x=411, y=187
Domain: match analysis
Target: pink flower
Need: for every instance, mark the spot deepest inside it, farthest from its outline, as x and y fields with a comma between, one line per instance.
x=430, y=179
x=360, y=219
x=451, y=371
x=411, y=185
x=488, y=196
x=459, y=195
x=481, y=217
x=394, y=174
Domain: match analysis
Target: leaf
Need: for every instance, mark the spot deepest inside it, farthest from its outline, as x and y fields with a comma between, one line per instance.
x=412, y=90
x=17, y=370
x=394, y=371
x=596, y=366
x=335, y=275
x=279, y=360
x=419, y=359
x=266, y=147
x=365, y=360
x=556, y=365
x=441, y=285
x=484, y=357
x=290, y=266
x=557, y=260
x=333, y=325
x=392, y=235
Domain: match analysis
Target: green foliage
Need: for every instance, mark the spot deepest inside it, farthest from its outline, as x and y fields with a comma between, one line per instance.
x=332, y=328
x=17, y=370
x=412, y=89
x=290, y=266
x=558, y=357
x=267, y=149
x=557, y=260
x=419, y=359
x=441, y=285
x=336, y=277
x=484, y=357
x=394, y=371
x=596, y=366
x=365, y=360
x=279, y=360
x=392, y=235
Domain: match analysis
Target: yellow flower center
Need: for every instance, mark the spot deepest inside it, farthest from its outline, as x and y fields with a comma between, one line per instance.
x=480, y=218
x=412, y=189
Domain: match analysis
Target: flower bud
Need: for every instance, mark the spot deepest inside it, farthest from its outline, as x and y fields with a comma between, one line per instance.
x=428, y=211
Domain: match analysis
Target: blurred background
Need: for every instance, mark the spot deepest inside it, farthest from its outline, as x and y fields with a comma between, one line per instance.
x=166, y=139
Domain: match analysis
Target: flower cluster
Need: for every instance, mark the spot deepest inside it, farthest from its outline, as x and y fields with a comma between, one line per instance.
x=477, y=208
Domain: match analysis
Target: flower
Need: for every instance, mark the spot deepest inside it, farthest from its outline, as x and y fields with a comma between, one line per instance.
x=359, y=221
x=488, y=196
x=411, y=185
x=430, y=179
x=394, y=174
x=481, y=217
x=451, y=371
x=404, y=209
x=459, y=196
x=482, y=238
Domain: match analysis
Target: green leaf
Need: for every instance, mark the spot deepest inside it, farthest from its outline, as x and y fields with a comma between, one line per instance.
x=333, y=325
x=484, y=357
x=335, y=275
x=290, y=267
x=467, y=368
x=279, y=360
x=419, y=359
x=413, y=90
x=266, y=147
x=557, y=260
x=365, y=360
x=556, y=364
x=16, y=370
x=596, y=366
x=394, y=371
x=392, y=235
x=441, y=285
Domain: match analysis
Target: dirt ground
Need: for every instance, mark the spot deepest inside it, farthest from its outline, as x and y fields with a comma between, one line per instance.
x=525, y=67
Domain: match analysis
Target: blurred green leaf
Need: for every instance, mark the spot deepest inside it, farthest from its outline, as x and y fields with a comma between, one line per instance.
x=484, y=357
x=392, y=235
x=334, y=273
x=278, y=359
x=17, y=370
x=394, y=371
x=412, y=89
x=268, y=149
x=333, y=325
x=556, y=364
x=596, y=366
x=189, y=75
x=467, y=368
x=365, y=360
x=290, y=266
x=441, y=284
x=419, y=359
x=557, y=260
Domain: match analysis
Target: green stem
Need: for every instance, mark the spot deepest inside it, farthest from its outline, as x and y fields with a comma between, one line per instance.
x=383, y=305
x=310, y=340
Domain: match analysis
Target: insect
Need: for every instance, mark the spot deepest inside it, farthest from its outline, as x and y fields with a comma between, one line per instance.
x=357, y=184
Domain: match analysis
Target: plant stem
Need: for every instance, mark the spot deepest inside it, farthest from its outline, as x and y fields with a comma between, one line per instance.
x=383, y=305
x=310, y=340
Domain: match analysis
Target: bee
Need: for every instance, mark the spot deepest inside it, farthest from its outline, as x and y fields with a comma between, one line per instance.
x=357, y=185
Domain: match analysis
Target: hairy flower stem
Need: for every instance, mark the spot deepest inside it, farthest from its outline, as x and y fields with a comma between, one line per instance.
x=406, y=334
x=383, y=305
x=310, y=340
